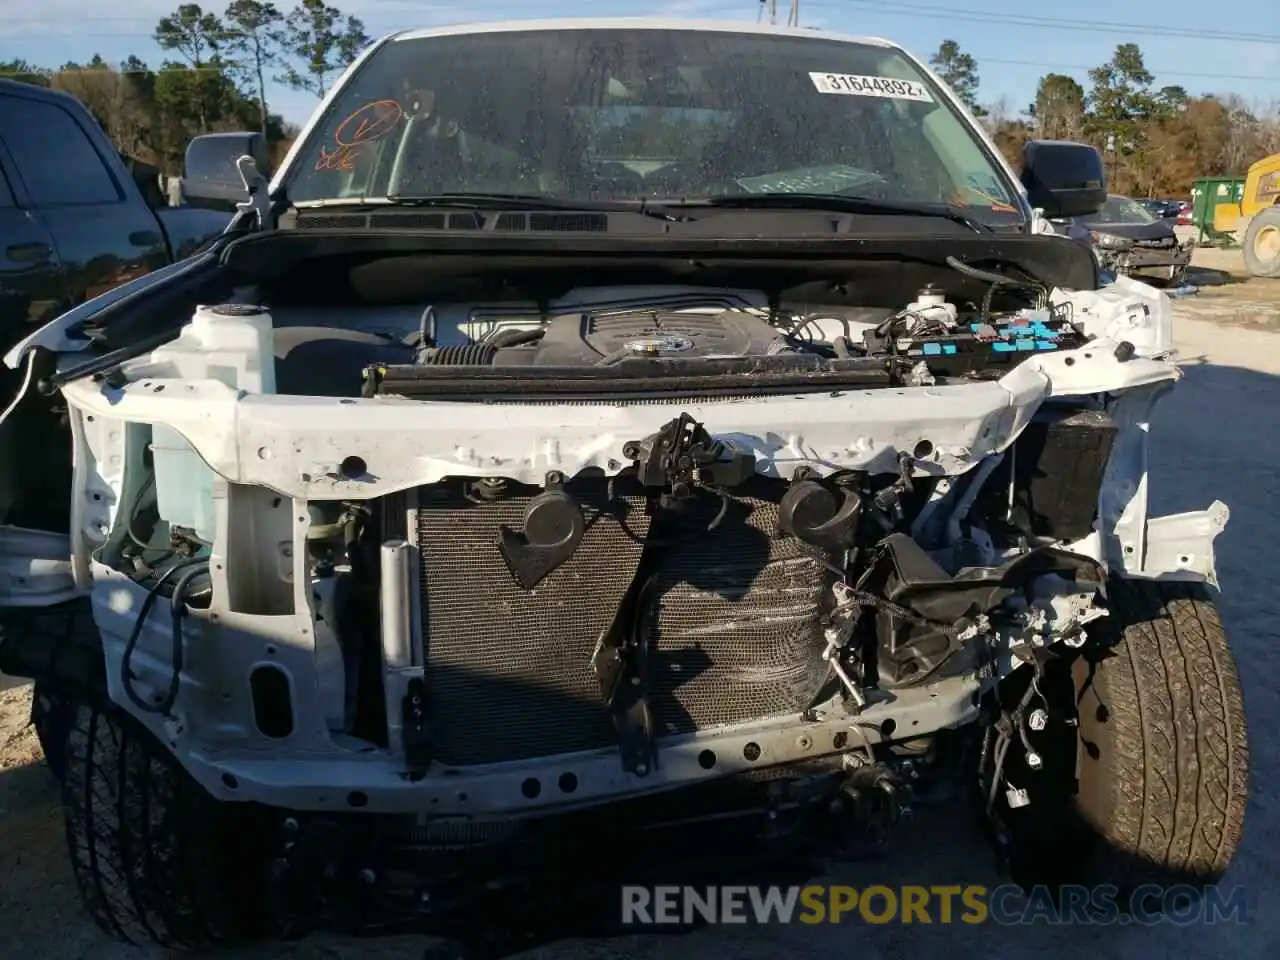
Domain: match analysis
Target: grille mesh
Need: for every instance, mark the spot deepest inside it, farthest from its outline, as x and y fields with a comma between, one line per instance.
x=731, y=622
x=508, y=670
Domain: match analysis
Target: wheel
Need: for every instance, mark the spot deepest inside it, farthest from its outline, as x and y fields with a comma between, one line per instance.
x=51, y=716
x=155, y=858
x=1163, y=751
x=60, y=649
x=1145, y=766
x=1262, y=244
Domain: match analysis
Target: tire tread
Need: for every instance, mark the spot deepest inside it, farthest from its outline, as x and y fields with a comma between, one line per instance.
x=143, y=839
x=1165, y=714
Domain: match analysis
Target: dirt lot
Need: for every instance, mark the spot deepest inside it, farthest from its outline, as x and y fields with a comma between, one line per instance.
x=1210, y=444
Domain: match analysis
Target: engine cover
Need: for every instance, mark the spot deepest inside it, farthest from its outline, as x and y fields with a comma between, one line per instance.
x=585, y=339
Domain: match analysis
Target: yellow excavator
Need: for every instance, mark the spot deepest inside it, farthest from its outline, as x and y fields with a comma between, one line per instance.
x=1259, y=217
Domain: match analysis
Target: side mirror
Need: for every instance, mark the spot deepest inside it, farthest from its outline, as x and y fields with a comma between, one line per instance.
x=1064, y=179
x=211, y=178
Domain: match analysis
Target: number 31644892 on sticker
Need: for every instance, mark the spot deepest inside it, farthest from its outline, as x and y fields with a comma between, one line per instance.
x=866, y=86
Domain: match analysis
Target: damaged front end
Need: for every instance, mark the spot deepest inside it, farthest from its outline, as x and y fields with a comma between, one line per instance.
x=1166, y=257
x=543, y=562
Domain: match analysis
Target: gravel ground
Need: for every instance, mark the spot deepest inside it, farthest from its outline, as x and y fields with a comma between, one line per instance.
x=1208, y=445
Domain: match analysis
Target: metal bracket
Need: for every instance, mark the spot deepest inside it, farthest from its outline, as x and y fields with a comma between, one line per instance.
x=683, y=455
x=619, y=665
x=35, y=568
x=1180, y=546
x=415, y=732
x=259, y=202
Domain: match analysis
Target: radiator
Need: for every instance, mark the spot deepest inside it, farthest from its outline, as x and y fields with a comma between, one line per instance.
x=728, y=619
x=731, y=621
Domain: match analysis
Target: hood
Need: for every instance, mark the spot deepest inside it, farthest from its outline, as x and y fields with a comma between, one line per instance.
x=1157, y=230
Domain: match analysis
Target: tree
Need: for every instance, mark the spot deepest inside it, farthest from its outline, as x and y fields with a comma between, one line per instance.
x=23, y=72
x=1121, y=105
x=115, y=101
x=1172, y=99
x=1058, y=110
x=151, y=115
x=324, y=39
x=252, y=36
x=1269, y=129
x=1243, y=136
x=195, y=36
x=960, y=72
x=191, y=33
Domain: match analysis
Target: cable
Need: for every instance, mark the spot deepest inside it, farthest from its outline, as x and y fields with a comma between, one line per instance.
x=193, y=567
x=1162, y=73
x=932, y=11
x=897, y=10
x=178, y=610
x=995, y=279
x=379, y=17
x=22, y=390
x=997, y=772
x=1058, y=23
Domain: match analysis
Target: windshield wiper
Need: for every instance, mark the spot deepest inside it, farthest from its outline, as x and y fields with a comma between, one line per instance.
x=528, y=201
x=842, y=203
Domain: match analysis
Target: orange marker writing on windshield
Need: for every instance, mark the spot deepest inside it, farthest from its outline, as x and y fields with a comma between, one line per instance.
x=370, y=122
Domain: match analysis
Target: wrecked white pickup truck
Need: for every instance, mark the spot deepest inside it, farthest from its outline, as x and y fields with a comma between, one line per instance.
x=633, y=431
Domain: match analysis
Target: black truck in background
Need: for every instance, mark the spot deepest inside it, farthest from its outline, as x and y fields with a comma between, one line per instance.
x=76, y=220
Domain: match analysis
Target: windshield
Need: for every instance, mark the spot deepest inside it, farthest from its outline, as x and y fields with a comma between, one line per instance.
x=1123, y=210
x=605, y=114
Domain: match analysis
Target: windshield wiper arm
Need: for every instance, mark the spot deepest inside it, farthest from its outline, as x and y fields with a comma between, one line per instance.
x=842, y=203
x=528, y=201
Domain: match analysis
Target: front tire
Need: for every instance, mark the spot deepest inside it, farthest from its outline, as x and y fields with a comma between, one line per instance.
x=1145, y=769
x=1163, y=750
x=155, y=858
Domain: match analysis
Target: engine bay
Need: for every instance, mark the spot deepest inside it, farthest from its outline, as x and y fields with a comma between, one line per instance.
x=599, y=341
x=930, y=330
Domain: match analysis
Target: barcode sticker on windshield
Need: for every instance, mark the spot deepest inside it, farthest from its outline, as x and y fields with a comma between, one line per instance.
x=856, y=86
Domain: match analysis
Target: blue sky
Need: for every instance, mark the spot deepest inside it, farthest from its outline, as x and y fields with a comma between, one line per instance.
x=1011, y=56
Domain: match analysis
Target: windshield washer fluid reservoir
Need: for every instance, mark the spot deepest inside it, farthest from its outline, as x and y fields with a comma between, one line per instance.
x=232, y=343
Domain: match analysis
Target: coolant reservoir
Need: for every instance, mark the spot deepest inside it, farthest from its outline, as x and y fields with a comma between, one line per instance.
x=232, y=343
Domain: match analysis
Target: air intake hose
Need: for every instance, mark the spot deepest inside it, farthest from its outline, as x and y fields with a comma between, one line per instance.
x=462, y=355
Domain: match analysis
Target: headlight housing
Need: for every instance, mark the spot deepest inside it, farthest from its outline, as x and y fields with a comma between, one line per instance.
x=1109, y=241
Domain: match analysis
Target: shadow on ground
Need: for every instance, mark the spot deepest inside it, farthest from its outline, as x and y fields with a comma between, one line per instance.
x=1210, y=441
x=1207, y=277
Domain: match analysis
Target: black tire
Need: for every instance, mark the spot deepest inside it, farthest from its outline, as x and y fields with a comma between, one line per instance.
x=156, y=859
x=51, y=716
x=1262, y=244
x=1164, y=757
x=59, y=648
x=1145, y=776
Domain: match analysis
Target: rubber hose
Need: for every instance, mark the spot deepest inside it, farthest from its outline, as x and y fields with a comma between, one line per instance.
x=514, y=338
x=463, y=355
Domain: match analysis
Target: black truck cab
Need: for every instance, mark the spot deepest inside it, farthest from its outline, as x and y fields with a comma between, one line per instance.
x=76, y=220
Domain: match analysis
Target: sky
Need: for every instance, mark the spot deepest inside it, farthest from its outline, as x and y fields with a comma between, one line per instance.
x=1014, y=42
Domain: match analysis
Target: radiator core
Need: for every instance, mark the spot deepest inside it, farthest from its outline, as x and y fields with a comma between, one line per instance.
x=728, y=621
